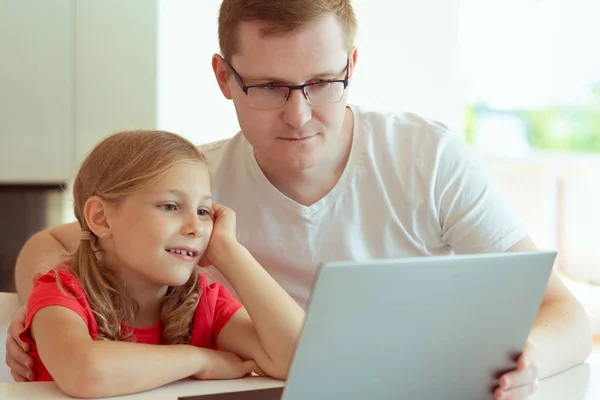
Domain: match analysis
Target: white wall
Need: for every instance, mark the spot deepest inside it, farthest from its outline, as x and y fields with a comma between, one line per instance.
x=407, y=61
x=189, y=100
x=408, y=58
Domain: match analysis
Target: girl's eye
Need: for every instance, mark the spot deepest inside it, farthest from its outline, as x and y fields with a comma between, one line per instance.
x=203, y=213
x=168, y=207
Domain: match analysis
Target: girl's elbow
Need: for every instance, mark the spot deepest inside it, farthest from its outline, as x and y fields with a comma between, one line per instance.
x=83, y=381
x=277, y=370
x=81, y=387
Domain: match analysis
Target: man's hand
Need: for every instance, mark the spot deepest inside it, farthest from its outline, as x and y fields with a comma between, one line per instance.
x=522, y=382
x=17, y=359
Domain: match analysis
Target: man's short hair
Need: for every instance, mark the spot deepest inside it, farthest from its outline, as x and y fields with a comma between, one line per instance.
x=281, y=17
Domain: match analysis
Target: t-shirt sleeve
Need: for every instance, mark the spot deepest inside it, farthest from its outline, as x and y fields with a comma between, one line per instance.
x=474, y=215
x=215, y=309
x=46, y=292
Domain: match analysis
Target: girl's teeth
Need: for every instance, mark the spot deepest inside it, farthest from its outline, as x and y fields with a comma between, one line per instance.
x=184, y=252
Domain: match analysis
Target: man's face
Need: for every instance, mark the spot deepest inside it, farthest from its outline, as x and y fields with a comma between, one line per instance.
x=297, y=135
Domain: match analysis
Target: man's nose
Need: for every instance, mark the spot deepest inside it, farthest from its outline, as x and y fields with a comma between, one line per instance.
x=297, y=111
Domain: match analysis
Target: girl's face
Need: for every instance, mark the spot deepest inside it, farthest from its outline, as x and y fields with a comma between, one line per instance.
x=159, y=234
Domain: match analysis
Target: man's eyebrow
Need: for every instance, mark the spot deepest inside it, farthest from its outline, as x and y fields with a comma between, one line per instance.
x=327, y=74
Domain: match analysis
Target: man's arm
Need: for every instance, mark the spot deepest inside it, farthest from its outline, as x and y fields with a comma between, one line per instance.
x=561, y=332
x=42, y=252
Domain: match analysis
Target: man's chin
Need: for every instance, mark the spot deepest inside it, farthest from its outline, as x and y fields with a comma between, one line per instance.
x=302, y=163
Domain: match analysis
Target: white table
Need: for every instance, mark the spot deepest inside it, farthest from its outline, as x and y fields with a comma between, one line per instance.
x=579, y=383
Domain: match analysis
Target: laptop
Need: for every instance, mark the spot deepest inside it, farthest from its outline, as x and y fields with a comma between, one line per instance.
x=413, y=328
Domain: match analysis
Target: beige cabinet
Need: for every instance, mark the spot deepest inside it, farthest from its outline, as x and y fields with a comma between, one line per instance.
x=71, y=72
x=36, y=90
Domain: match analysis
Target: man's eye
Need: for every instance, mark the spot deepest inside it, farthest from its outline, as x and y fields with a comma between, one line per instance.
x=269, y=88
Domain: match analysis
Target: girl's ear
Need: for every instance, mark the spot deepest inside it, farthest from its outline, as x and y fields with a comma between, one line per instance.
x=95, y=213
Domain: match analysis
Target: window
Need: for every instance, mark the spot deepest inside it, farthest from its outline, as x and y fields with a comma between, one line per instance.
x=532, y=90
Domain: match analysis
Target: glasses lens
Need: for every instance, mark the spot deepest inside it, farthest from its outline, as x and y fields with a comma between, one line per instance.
x=267, y=96
x=325, y=93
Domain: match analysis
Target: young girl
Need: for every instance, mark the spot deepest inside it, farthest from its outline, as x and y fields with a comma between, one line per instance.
x=129, y=312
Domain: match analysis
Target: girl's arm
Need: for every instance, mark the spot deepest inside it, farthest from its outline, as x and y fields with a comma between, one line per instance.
x=267, y=329
x=82, y=367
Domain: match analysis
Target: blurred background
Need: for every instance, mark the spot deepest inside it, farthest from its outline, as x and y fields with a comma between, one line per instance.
x=520, y=79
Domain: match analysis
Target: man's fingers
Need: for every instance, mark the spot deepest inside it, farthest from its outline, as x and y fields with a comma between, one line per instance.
x=519, y=377
x=17, y=377
x=15, y=353
x=19, y=371
x=13, y=336
x=518, y=393
x=528, y=356
x=17, y=324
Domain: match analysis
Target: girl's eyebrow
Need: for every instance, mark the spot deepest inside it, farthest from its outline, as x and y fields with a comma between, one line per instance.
x=181, y=193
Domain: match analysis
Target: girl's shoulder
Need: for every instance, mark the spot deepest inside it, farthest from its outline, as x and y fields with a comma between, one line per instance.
x=213, y=291
x=215, y=308
x=58, y=287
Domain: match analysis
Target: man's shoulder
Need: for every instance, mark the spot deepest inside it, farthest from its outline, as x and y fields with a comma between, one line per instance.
x=405, y=138
x=388, y=125
x=211, y=148
x=224, y=150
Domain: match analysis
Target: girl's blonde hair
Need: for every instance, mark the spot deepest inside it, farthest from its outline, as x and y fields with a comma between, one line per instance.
x=118, y=166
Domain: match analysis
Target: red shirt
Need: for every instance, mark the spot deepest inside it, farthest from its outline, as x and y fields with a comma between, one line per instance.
x=215, y=307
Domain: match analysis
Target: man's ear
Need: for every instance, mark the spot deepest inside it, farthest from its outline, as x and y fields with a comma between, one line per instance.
x=353, y=59
x=95, y=212
x=220, y=69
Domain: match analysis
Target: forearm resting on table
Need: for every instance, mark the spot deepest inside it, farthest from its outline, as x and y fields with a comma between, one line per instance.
x=108, y=368
x=561, y=335
x=42, y=252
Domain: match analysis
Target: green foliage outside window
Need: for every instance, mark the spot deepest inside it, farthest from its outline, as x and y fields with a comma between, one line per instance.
x=565, y=127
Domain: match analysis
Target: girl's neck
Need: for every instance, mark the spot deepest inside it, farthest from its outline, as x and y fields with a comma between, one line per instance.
x=148, y=296
x=149, y=302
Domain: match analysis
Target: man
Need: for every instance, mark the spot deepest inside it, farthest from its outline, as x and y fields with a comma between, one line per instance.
x=312, y=179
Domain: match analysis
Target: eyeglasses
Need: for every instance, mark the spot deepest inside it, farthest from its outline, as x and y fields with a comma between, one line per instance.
x=274, y=96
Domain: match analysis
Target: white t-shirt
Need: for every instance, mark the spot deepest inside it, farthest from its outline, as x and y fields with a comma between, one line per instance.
x=410, y=188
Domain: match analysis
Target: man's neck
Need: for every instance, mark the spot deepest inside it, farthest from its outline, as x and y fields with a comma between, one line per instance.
x=311, y=185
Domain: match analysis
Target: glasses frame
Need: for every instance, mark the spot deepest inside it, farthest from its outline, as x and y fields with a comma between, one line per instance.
x=291, y=88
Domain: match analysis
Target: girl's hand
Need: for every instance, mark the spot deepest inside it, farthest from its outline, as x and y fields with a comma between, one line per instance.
x=222, y=239
x=224, y=365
